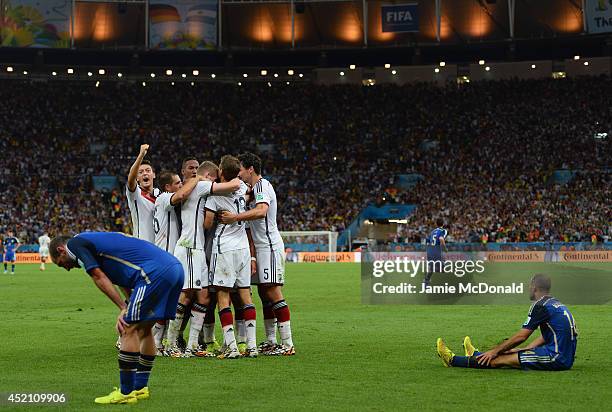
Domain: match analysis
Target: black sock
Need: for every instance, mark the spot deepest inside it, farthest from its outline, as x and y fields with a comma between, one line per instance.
x=145, y=364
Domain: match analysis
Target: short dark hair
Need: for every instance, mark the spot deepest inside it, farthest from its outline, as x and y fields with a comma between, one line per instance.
x=185, y=160
x=230, y=167
x=147, y=162
x=250, y=159
x=165, y=178
x=440, y=222
x=57, y=242
x=541, y=282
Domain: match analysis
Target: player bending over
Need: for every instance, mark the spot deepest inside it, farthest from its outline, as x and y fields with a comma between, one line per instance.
x=553, y=351
x=156, y=278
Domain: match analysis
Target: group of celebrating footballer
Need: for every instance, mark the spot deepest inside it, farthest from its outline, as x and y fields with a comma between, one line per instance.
x=220, y=223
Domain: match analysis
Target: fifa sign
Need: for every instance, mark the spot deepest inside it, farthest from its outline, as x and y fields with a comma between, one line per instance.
x=400, y=18
x=598, y=16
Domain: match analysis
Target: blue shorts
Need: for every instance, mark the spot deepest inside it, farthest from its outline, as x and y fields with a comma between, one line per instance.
x=156, y=300
x=540, y=359
x=9, y=256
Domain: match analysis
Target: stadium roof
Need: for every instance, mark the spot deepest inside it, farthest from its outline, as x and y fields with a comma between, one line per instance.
x=330, y=33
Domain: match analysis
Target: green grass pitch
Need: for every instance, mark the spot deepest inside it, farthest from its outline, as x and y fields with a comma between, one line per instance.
x=57, y=336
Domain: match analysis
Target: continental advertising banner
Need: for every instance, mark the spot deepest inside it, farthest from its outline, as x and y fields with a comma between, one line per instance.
x=33, y=23
x=28, y=258
x=183, y=24
x=511, y=256
x=586, y=256
x=319, y=257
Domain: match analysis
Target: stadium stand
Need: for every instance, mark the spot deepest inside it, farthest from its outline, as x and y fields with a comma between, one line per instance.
x=330, y=150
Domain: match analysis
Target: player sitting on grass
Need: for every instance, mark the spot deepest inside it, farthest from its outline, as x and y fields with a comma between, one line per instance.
x=553, y=351
x=156, y=278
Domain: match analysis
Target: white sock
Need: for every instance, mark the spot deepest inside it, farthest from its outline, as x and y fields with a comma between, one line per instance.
x=158, y=333
x=173, y=329
x=285, y=332
x=251, y=333
x=197, y=320
x=165, y=334
x=229, y=339
x=241, y=331
x=270, y=327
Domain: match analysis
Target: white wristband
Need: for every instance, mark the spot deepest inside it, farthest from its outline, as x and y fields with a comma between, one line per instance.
x=253, y=259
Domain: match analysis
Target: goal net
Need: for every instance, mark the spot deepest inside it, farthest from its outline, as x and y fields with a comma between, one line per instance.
x=311, y=241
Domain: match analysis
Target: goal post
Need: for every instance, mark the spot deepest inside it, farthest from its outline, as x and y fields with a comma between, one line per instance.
x=312, y=241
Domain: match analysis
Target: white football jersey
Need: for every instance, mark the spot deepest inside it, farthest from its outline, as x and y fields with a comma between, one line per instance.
x=192, y=216
x=44, y=241
x=265, y=231
x=165, y=223
x=229, y=237
x=141, y=206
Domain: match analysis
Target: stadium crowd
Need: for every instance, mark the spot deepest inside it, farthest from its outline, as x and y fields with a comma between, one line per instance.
x=486, y=151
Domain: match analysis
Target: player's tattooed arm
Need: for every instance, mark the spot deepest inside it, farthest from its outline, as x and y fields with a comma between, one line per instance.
x=209, y=220
x=253, y=252
x=131, y=181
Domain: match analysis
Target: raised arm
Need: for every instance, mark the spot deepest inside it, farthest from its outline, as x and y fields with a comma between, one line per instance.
x=131, y=180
